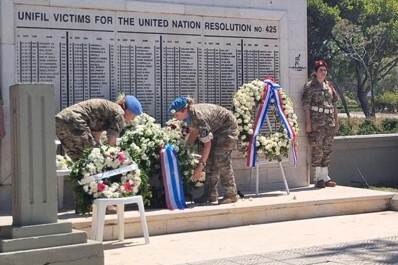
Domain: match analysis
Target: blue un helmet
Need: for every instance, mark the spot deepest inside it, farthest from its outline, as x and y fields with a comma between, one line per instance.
x=133, y=105
x=178, y=104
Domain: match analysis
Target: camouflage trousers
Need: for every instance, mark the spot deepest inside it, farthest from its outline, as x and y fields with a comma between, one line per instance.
x=219, y=166
x=75, y=137
x=321, y=146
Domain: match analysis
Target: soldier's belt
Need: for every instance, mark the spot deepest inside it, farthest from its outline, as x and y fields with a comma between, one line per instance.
x=322, y=110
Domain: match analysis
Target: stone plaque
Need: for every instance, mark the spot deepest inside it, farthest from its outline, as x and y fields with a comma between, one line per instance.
x=156, y=57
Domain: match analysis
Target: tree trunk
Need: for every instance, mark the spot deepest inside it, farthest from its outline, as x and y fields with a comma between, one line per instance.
x=362, y=97
x=372, y=100
x=342, y=97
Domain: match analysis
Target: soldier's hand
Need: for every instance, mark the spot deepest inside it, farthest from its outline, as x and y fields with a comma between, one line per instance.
x=197, y=174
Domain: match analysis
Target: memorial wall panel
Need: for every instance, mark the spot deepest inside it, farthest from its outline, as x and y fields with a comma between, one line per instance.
x=156, y=57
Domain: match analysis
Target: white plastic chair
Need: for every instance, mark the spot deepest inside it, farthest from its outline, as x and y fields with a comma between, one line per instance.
x=99, y=208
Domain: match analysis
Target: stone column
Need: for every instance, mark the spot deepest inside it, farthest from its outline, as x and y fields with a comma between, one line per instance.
x=35, y=236
x=33, y=133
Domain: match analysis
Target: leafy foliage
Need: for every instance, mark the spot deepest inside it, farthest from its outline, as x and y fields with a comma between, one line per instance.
x=360, y=36
x=388, y=101
x=143, y=140
x=362, y=126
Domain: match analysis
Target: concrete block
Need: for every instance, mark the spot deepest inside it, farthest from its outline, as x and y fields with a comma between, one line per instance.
x=213, y=11
x=368, y=157
x=90, y=253
x=5, y=197
x=297, y=10
x=30, y=243
x=98, y=4
x=394, y=203
x=35, y=230
x=261, y=14
x=33, y=2
x=297, y=36
x=269, y=207
x=139, y=6
x=7, y=66
x=187, y=224
x=33, y=152
x=7, y=26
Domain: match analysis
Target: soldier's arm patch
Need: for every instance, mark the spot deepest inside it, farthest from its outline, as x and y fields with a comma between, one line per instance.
x=205, y=135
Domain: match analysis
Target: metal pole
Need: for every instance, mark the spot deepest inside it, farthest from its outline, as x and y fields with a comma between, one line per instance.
x=284, y=178
x=257, y=178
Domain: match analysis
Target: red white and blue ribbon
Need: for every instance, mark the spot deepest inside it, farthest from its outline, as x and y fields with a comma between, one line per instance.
x=173, y=187
x=270, y=96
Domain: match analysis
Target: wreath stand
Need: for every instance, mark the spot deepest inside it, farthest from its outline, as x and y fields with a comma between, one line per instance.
x=258, y=163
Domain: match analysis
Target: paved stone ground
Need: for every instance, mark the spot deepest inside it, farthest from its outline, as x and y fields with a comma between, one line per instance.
x=377, y=251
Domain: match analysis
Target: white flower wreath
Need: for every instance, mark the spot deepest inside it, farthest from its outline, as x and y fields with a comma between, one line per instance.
x=245, y=102
x=106, y=158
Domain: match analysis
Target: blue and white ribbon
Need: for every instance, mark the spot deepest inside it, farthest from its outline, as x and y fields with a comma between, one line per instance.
x=173, y=187
x=270, y=96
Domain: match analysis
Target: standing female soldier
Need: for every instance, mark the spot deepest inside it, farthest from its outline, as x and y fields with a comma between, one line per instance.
x=80, y=126
x=217, y=129
x=319, y=102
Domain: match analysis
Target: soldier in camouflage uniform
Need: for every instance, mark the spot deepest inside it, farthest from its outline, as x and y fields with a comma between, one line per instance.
x=319, y=102
x=79, y=126
x=217, y=129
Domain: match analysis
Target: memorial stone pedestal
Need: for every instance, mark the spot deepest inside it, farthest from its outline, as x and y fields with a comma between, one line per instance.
x=36, y=237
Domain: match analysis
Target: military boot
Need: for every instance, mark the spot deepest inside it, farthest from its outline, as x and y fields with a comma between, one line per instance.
x=213, y=199
x=207, y=198
x=229, y=199
x=328, y=181
x=318, y=178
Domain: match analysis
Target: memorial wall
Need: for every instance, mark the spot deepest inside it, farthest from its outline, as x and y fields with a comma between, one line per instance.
x=155, y=50
x=156, y=57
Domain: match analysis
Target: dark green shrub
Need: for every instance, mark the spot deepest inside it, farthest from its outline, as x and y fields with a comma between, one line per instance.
x=368, y=127
x=345, y=127
x=389, y=125
x=387, y=102
x=361, y=126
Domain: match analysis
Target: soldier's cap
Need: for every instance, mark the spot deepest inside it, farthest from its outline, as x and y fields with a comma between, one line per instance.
x=319, y=63
x=178, y=104
x=133, y=105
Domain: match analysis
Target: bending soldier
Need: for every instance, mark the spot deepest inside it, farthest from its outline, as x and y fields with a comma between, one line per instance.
x=319, y=102
x=80, y=126
x=217, y=129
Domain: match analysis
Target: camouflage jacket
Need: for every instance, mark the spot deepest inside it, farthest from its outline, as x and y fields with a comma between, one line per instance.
x=316, y=95
x=214, y=123
x=97, y=114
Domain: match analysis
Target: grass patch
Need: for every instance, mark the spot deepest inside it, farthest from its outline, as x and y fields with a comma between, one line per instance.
x=382, y=188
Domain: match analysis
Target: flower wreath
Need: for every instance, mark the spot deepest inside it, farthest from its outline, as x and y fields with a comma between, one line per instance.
x=104, y=172
x=143, y=140
x=245, y=104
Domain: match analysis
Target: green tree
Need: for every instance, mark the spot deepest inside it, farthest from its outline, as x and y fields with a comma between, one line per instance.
x=365, y=32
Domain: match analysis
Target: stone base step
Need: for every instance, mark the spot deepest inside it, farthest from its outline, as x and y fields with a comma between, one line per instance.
x=34, y=230
x=90, y=253
x=36, y=242
x=302, y=203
